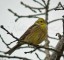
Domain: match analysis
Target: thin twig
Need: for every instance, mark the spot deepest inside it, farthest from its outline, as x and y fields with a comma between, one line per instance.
x=2, y=52
x=4, y=42
x=53, y=38
x=31, y=51
x=28, y=7
x=38, y=56
x=28, y=16
x=63, y=24
x=47, y=41
x=15, y=57
x=8, y=32
x=44, y=2
x=55, y=20
x=38, y=2
x=11, y=42
x=32, y=8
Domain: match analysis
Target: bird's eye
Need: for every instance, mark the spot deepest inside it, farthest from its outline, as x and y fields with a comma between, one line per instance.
x=41, y=21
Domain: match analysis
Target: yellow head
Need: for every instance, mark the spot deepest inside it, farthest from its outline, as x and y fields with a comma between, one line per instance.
x=41, y=21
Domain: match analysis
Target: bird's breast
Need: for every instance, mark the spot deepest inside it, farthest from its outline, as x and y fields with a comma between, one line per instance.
x=36, y=36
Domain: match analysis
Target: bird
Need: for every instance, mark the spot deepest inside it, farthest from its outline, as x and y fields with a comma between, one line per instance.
x=35, y=34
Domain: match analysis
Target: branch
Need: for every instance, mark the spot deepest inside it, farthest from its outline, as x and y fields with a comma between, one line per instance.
x=27, y=16
x=36, y=46
x=2, y=52
x=48, y=3
x=55, y=20
x=11, y=42
x=63, y=24
x=28, y=7
x=30, y=16
x=4, y=42
x=31, y=7
x=47, y=41
x=31, y=51
x=38, y=56
x=60, y=48
x=53, y=38
x=47, y=9
x=44, y=2
x=38, y=2
x=8, y=32
x=46, y=48
x=15, y=57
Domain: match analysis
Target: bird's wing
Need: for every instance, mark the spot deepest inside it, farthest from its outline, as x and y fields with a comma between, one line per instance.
x=27, y=32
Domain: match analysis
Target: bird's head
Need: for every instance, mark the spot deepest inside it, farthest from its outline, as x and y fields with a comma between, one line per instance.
x=41, y=21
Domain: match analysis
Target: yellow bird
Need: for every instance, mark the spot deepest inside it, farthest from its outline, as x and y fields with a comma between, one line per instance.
x=35, y=35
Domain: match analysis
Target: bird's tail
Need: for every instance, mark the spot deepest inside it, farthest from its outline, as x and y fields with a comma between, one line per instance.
x=13, y=49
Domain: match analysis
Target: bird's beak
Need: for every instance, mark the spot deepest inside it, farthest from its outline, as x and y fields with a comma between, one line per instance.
x=37, y=24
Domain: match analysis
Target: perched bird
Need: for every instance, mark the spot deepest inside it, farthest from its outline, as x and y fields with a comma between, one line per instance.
x=35, y=35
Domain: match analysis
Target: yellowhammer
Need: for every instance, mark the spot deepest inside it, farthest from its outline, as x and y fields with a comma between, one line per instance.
x=35, y=35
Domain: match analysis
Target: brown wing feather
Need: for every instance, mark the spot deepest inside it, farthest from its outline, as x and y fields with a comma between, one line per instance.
x=27, y=32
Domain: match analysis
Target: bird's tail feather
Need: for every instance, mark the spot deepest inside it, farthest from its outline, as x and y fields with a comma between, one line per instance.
x=12, y=49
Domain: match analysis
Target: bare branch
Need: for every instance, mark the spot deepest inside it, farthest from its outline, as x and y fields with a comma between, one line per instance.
x=11, y=42
x=44, y=2
x=59, y=35
x=63, y=24
x=28, y=16
x=31, y=51
x=15, y=57
x=32, y=7
x=38, y=56
x=45, y=48
x=4, y=42
x=2, y=52
x=60, y=48
x=47, y=41
x=38, y=3
x=55, y=20
x=48, y=3
x=28, y=7
x=53, y=38
x=8, y=32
